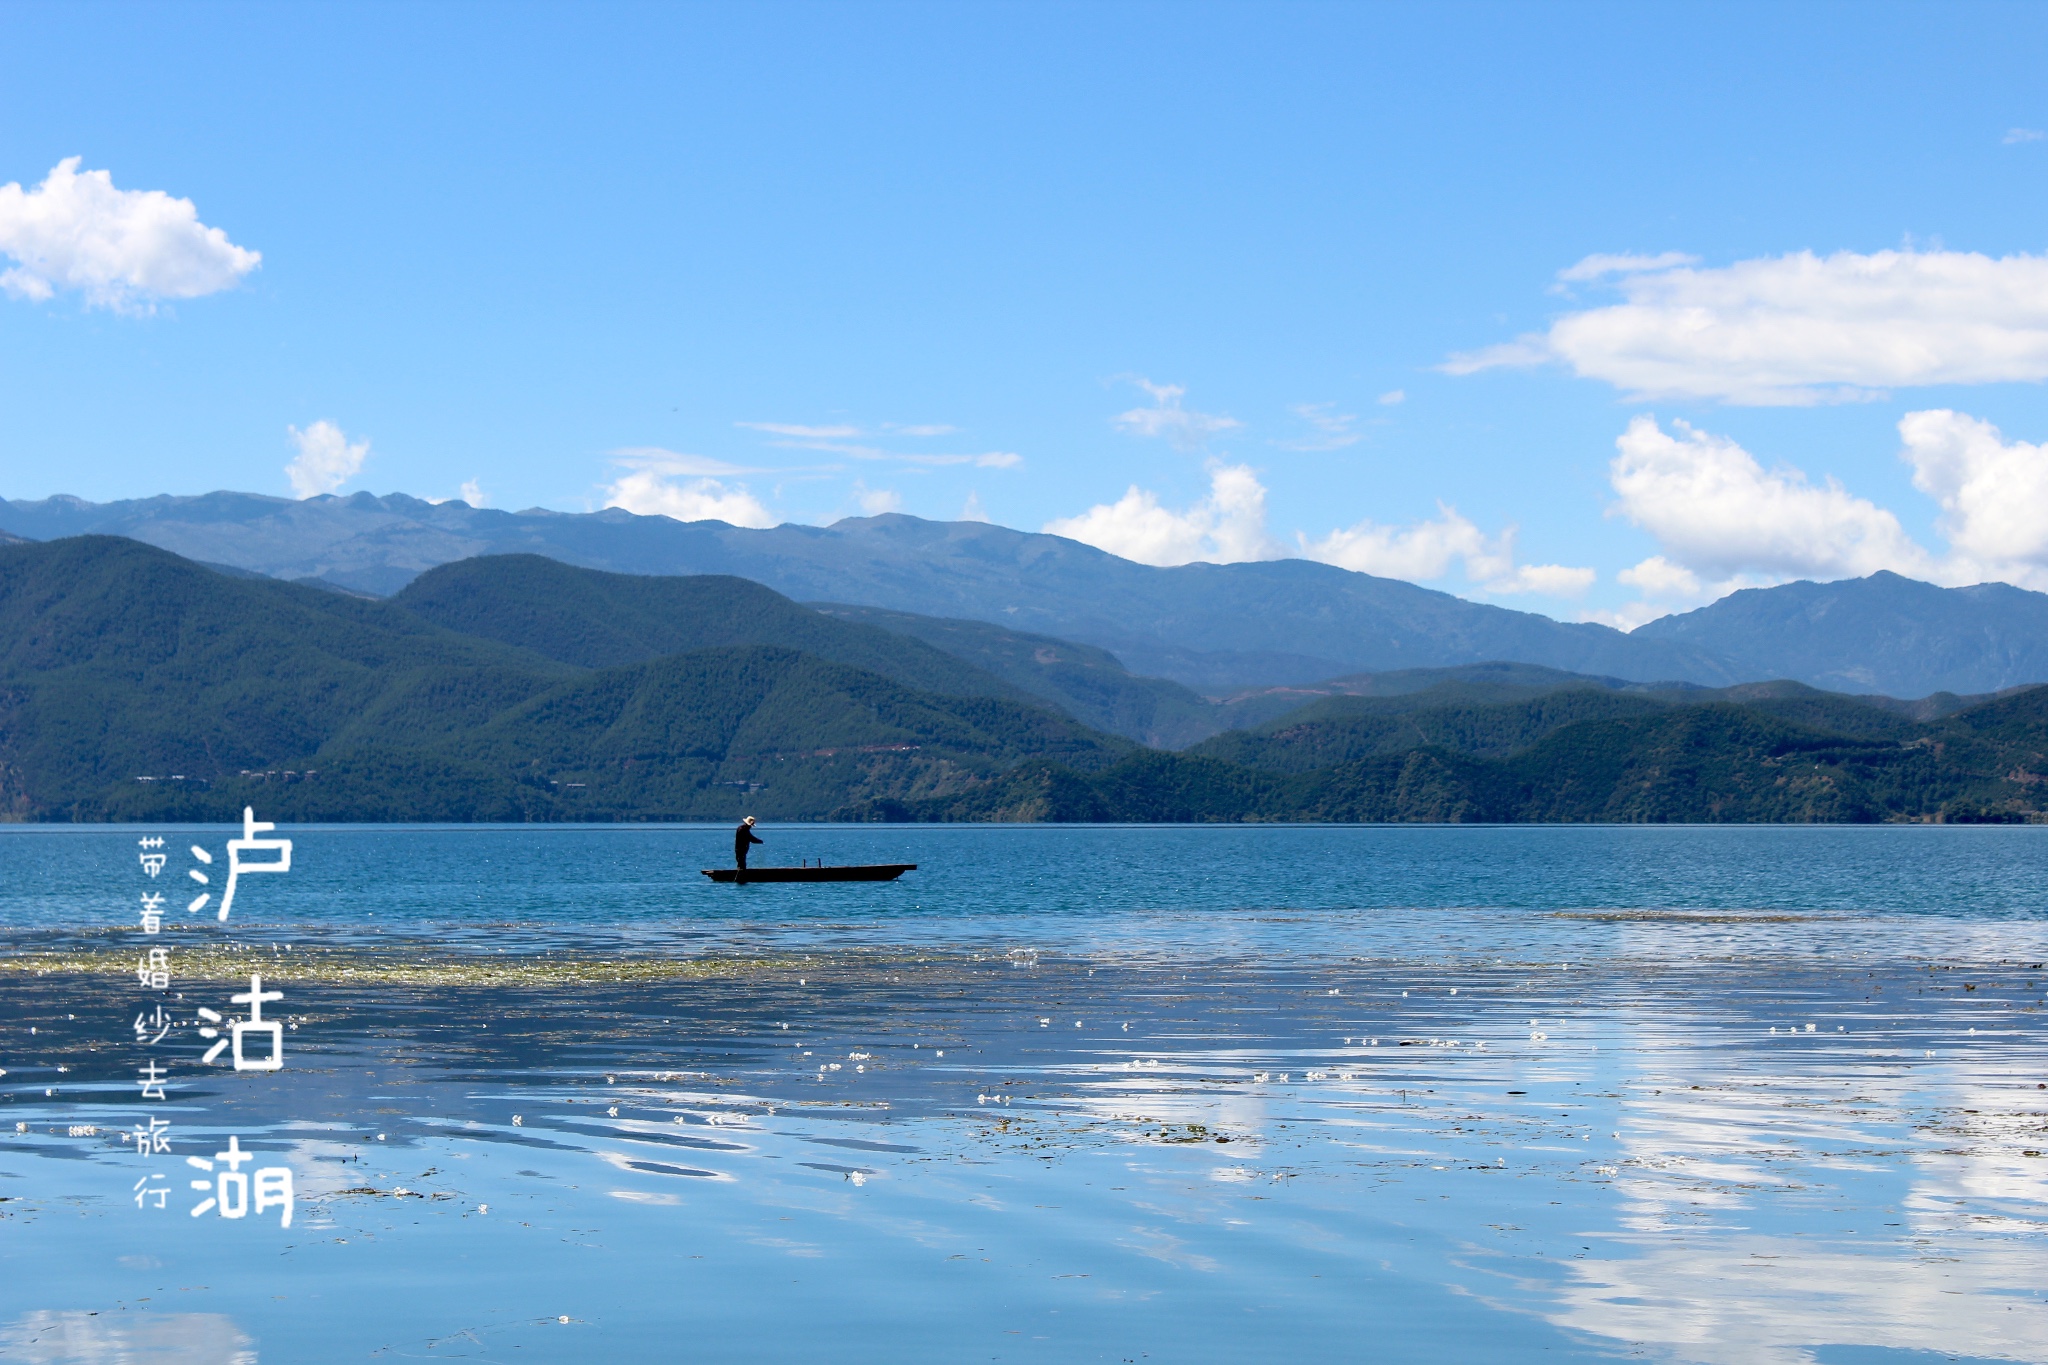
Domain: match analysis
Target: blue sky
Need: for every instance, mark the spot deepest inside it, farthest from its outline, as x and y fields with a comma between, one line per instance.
x=791, y=262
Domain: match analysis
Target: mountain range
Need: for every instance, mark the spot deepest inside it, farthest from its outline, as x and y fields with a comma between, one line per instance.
x=135, y=684
x=1218, y=631
x=1207, y=626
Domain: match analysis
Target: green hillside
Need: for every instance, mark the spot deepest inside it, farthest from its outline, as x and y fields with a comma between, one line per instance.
x=137, y=685
x=1708, y=762
x=595, y=619
x=119, y=660
x=134, y=684
x=1470, y=718
x=1089, y=684
x=771, y=731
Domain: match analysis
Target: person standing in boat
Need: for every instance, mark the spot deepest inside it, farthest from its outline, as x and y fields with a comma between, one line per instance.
x=741, y=839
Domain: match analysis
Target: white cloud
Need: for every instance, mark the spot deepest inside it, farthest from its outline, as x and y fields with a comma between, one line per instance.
x=1723, y=522
x=649, y=494
x=1422, y=551
x=971, y=510
x=1227, y=527
x=1667, y=587
x=1599, y=266
x=1392, y=397
x=1546, y=580
x=802, y=432
x=120, y=249
x=676, y=462
x=471, y=492
x=1329, y=429
x=1799, y=328
x=919, y=429
x=1993, y=494
x=875, y=501
x=1659, y=577
x=1715, y=510
x=847, y=440
x=326, y=459
x=1187, y=430
x=1627, y=616
x=2016, y=135
x=661, y=483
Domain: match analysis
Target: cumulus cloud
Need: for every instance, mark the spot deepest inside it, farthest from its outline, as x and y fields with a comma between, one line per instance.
x=1185, y=428
x=972, y=510
x=1226, y=527
x=1723, y=521
x=1993, y=493
x=1230, y=526
x=1425, y=550
x=1418, y=550
x=1666, y=587
x=1714, y=509
x=1546, y=580
x=662, y=483
x=119, y=249
x=1797, y=329
x=327, y=459
x=875, y=501
x=1659, y=577
x=1328, y=429
x=471, y=492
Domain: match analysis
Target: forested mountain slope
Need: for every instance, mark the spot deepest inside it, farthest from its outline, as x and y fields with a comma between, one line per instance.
x=1574, y=756
x=595, y=619
x=1088, y=683
x=134, y=684
x=1208, y=626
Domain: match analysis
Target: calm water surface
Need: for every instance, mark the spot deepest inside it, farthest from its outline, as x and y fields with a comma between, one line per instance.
x=1387, y=1094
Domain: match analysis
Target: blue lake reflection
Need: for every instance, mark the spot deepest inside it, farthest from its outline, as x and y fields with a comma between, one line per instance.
x=1717, y=1095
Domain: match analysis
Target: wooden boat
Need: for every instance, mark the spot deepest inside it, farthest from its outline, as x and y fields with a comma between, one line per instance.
x=876, y=872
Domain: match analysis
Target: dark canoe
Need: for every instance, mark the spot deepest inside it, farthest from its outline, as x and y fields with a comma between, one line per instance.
x=879, y=872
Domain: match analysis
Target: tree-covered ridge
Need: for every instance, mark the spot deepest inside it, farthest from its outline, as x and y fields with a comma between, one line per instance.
x=119, y=661
x=134, y=684
x=595, y=619
x=1711, y=761
x=137, y=685
x=1090, y=684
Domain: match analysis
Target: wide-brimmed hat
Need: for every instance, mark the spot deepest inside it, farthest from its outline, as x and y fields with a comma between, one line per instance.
x=748, y=821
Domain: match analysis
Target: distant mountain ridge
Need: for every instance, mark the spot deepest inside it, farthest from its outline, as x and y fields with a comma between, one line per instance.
x=135, y=685
x=1220, y=630
x=1463, y=752
x=1885, y=633
x=1208, y=626
x=593, y=619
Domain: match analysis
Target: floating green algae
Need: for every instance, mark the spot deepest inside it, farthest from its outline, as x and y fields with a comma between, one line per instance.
x=345, y=966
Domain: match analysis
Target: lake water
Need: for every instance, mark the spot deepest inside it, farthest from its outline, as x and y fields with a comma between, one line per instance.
x=1062, y=1094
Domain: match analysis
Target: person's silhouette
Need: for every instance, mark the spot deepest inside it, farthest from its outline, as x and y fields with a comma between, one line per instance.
x=741, y=839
